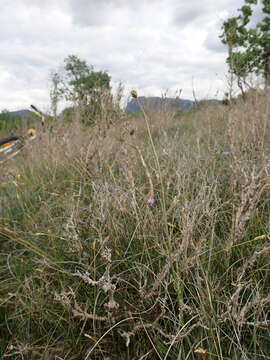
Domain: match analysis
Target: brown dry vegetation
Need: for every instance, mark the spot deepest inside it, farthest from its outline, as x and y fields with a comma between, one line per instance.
x=147, y=240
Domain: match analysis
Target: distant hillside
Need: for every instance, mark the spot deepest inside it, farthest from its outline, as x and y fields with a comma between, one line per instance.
x=20, y=112
x=12, y=120
x=12, y=116
x=159, y=103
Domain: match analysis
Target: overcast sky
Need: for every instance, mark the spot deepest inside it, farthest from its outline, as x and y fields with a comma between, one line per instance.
x=150, y=45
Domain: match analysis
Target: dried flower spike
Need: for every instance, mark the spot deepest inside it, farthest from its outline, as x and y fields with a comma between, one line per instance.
x=201, y=351
x=134, y=94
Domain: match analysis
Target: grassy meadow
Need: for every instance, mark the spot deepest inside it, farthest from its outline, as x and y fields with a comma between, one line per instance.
x=142, y=238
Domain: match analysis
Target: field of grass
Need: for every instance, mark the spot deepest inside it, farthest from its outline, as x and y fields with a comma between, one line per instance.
x=146, y=240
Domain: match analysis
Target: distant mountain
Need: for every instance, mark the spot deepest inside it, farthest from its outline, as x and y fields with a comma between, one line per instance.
x=158, y=103
x=20, y=112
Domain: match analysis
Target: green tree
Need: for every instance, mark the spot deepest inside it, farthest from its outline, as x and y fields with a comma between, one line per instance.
x=84, y=86
x=248, y=47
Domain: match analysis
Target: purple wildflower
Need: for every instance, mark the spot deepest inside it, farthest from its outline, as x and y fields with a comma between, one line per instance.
x=151, y=200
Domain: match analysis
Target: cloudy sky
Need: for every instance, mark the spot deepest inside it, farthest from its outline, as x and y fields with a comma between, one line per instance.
x=150, y=45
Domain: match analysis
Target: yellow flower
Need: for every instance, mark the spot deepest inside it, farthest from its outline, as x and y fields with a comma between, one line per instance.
x=31, y=132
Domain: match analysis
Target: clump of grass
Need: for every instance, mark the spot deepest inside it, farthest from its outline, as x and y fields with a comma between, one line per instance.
x=148, y=244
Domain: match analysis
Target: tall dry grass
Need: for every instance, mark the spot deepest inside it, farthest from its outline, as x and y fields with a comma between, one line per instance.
x=146, y=240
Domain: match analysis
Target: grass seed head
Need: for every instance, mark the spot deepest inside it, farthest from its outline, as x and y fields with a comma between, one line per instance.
x=134, y=94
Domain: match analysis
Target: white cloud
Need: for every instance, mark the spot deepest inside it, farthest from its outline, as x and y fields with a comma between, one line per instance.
x=153, y=46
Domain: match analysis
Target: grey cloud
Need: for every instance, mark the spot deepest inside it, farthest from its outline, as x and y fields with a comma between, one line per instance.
x=201, y=13
x=94, y=12
x=213, y=43
x=87, y=13
x=41, y=3
x=257, y=15
x=187, y=14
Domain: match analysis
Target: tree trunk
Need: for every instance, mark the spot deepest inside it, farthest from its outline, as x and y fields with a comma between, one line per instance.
x=267, y=72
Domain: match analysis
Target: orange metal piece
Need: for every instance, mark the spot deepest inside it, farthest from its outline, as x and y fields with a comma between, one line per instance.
x=6, y=144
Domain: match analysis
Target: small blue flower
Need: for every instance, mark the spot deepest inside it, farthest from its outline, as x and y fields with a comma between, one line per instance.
x=226, y=153
x=151, y=200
